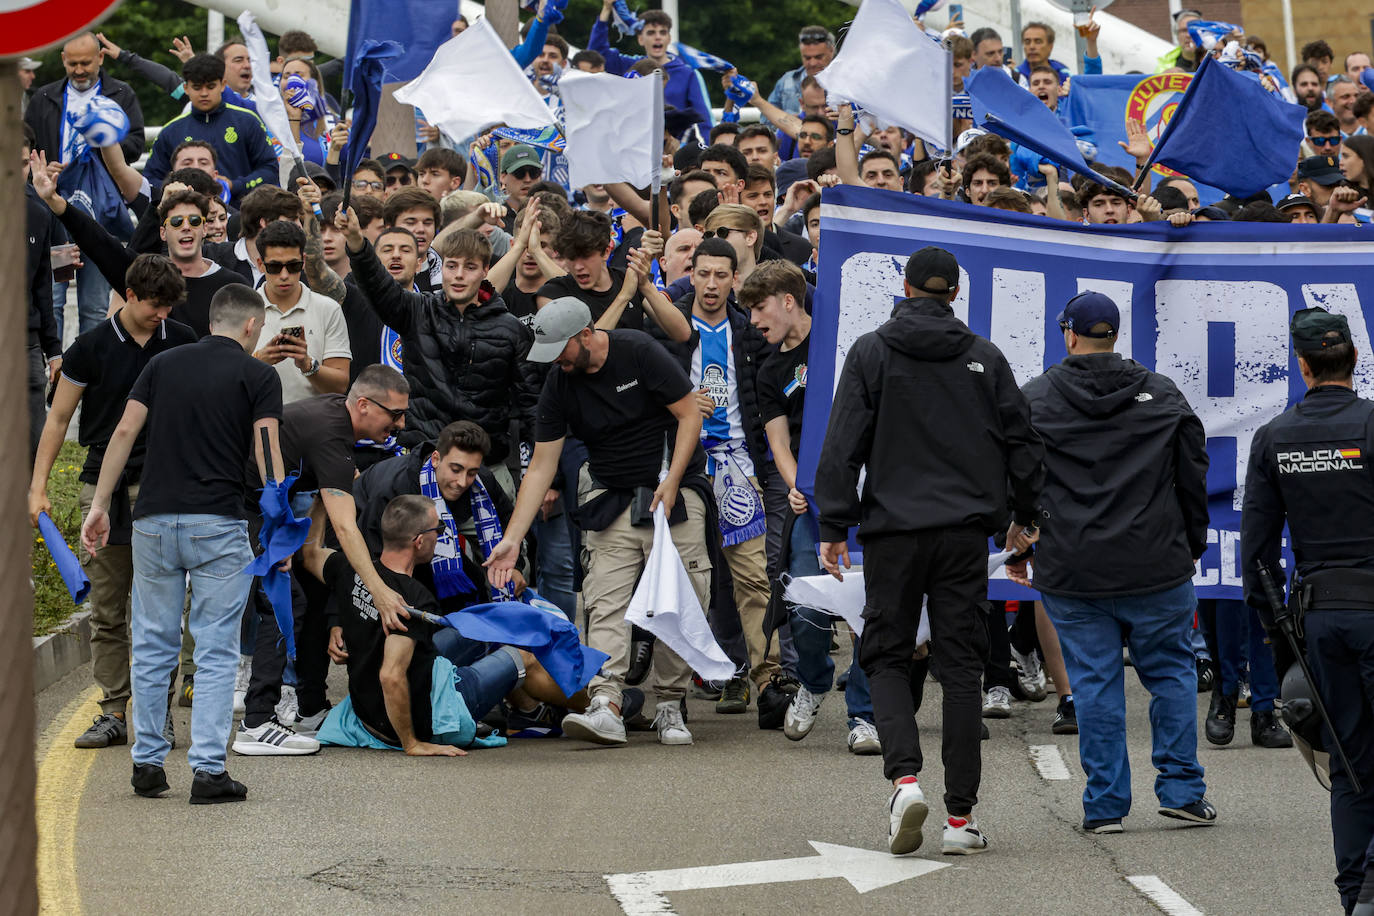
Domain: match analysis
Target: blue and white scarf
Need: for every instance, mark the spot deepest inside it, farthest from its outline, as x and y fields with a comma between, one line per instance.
x=391, y=349
x=742, y=516
x=449, y=577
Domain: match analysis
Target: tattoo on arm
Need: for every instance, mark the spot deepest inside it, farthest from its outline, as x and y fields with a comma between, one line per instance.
x=319, y=276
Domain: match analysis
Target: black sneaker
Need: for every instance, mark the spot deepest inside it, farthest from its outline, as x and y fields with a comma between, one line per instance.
x=1265, y=730
x=188, y=691
x=105, y=731
x=169, y=731
x=774, y=699
x=1065, y=718
x=1205, y=676
x=1199, y=812
x=216, y=788
x=986, y=734
x=734, y=697
x=705, y=690
x=544, y=721
x=1103, y=825
x=1221, y=718
x=149, y=780
x=641, y=659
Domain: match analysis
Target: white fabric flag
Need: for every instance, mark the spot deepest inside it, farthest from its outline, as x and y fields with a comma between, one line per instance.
x=473, y=83
x=271, y=109
x=846, y=599
x=666, y=605
x=894, y=71
x=611, y=129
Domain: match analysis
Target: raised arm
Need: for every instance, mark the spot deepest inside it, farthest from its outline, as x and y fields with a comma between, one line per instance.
x=396, y=307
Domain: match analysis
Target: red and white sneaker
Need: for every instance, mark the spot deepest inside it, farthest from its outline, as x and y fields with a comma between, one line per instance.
x=962, y=837
x=907, y=812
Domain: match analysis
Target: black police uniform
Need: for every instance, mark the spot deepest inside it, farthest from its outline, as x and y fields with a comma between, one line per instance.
x=1314, y=466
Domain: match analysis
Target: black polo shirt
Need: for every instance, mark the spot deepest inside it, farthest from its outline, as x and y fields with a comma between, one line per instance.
x=317, y=440
x=202, y=401
x=105, y=362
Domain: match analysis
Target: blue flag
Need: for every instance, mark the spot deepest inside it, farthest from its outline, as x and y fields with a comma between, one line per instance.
x=1001, y=106
x=281, y=536
x=369, y=62
x=1241, y=155
x=68, y=566
x=702, y=60
x=417, y=27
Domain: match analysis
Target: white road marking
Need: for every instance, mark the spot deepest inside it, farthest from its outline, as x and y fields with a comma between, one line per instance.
x=641, y=893
x=1163, y=896
x=1048, y=761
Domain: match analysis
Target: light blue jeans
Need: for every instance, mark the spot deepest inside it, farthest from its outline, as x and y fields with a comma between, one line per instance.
x=213, y=551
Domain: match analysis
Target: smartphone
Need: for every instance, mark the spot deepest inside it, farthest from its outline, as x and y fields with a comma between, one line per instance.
x=1006, y=56
x=956, y=14
x=295, y=331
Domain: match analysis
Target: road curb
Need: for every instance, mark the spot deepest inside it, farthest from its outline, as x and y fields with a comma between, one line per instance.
x=62, y=651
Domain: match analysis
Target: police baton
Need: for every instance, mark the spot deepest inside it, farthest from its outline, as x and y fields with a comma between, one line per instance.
x=1283, y=619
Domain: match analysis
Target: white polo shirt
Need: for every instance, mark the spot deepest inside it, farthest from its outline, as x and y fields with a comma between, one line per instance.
x=326, y=337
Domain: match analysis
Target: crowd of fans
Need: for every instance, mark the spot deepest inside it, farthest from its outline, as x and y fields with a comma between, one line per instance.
x=445, y=461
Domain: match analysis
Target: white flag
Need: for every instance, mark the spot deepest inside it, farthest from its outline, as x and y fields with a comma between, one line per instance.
x=666, y=605
x=271, y=109
x=473, y=83
x=610, y=125
x=894, y=71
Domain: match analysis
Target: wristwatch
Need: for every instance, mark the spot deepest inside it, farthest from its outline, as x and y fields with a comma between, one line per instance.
x=314, y=367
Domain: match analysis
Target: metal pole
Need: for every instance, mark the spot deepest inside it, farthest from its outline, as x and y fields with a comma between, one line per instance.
x=1014, y=40
x=504, y=16
x=18, y=829
x=214, y=31
x=1289, y=45
x=670, y=7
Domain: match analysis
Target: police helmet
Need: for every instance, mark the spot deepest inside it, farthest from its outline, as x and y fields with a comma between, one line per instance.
x=1305, y=723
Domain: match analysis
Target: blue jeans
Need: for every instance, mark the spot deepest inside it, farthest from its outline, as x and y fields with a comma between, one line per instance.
x=213, y=550
x=1156, y=630
x=812, y=629
x=1240, y=636
x=487, y=681
x=555, y=579
x=92, y=299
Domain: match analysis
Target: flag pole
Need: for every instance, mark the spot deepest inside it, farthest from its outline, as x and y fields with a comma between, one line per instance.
x=656, y=151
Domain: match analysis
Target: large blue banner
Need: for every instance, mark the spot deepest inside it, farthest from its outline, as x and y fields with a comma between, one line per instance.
x=1207, y=305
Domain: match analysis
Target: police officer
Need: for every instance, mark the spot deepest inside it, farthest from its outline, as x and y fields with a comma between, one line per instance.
x=1311, y=465
x=933, y=411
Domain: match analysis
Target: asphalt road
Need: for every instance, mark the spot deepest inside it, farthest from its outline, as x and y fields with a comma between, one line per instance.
x=537, y=826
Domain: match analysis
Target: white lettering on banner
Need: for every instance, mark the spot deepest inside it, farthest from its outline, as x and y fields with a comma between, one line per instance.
x=1258, y=312
x=1120, y=292
x=1342, y=299
x=1205, y=576
x=1018, y=320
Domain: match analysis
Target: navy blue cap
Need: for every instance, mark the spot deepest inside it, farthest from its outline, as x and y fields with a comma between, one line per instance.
x=1087, y=310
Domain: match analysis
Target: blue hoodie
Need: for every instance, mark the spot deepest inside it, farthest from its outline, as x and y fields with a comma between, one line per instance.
x=681, y=88
x=243, y=154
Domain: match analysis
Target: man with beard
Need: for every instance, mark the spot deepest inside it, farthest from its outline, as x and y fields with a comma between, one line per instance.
x=1307, y=86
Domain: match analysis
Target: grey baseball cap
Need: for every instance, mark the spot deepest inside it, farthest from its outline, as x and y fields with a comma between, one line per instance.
x=555, y=324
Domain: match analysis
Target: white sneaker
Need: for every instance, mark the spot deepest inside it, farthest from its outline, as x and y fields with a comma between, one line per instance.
x=599, y=724
x=668, y=721
x=962, y=837
x=241, y=678
x=863, y=739
x=288, y=709
x=801, y=714
x=906, y=811
x=1031, y=679
x=272, y=739
x=997, y=703
x=310, y=725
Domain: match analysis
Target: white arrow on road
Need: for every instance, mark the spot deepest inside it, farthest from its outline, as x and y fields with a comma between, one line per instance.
x=641, y=893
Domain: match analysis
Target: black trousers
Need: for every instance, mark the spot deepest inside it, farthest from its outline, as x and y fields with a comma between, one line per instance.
x=269, y=653
x=948, y=566
x=38, y=397
x=997, y=672
x=1340, y=650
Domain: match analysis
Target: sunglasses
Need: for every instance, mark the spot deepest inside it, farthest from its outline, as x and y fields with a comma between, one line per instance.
x=526, y=173
x=362, y=184
x=402, y=179
x=813, y=36
x=436, y=529
x=193, y=220
x=396, y=413
x=1324, y=141
x=723, y=232
x=272, y=268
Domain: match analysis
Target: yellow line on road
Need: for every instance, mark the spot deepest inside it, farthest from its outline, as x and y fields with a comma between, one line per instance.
x=62, y=776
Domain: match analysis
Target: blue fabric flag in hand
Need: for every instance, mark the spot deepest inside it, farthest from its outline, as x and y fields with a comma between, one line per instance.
x=1207, y=34
x=539, y=627
x=67, y=564
x=1001, y=106
x=281, y=536
x=416, y=27
x=1241, y=155
x=702, y=60
x=369, y=62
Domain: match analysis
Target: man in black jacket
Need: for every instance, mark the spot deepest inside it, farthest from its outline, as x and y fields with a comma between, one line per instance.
x=934, y=413
x=1126, y=499
x=44, y=344
x=464, y=353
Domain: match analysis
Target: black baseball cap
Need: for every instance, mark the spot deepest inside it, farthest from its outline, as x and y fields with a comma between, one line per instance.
x=932, y=270
x=1322, y=169
x=1310, y=327
x=391, y=161
x=1087, y=310
x=1293, y=201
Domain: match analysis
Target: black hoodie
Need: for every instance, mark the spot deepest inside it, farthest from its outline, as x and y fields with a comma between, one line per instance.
x=933, y=411
x=1125, y=500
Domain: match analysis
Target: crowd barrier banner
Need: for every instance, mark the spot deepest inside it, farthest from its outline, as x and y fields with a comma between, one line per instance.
x=1207, y=305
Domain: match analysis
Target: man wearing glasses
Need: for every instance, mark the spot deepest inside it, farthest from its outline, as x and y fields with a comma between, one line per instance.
x=520, y=169
x=1323, y=134
x=304, y=336
x=317, y=440
x=816, y=46
x=1318, y=176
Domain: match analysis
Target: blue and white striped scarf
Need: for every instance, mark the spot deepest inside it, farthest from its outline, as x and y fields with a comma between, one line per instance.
x=449, y=577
